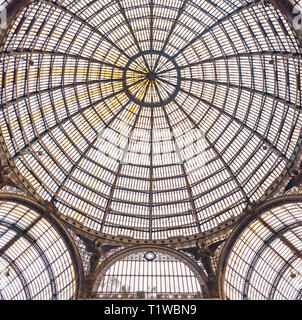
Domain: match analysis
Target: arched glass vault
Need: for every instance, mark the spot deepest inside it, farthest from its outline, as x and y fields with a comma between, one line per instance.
x=38, y=260
x=262, y=260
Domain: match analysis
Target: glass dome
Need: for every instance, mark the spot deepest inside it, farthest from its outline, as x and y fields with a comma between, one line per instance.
x=36, y=260
x=264, y=257
x=150, y=119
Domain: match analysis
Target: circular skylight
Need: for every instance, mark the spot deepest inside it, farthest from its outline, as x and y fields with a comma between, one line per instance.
x=151, y=79
x=150, y=119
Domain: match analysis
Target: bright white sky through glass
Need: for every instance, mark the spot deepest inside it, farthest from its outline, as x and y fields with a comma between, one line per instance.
x=165, y=278
x=265, y=262
x=35, y=263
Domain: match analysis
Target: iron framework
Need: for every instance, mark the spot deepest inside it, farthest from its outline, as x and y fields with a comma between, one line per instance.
x=146, y=121
x=39, y=261
x=171, y=275
x=262, y=258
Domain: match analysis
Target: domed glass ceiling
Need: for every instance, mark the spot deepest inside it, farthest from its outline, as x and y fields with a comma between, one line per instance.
x=151, y=119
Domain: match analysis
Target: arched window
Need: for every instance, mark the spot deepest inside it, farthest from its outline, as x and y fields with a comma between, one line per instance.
x=264, y=259
x=36, y=259
x=150, y=274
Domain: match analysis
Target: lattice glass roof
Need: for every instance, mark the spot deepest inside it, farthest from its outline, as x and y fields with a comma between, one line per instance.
x=134, y=277
x=151, y=119
x=35, y=262
x=265, y=262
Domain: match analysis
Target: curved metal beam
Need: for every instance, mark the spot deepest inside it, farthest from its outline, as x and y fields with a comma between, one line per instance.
x=266, y=245
x=285, y=267
x=246, y=220
x=45, y=209
x=188, y=186
x=19, y=273
x=287, y=9
x=118, y=173
x=34, y=243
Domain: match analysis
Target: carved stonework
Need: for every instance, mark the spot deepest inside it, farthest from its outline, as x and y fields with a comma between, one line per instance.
x=10, y=189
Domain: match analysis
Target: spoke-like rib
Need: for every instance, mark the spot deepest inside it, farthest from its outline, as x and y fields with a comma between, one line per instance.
x=189, y=189
x=254, y=91
x=226, y=17
x=122, y=10
x=281, y=54
x=151, y=177
x=118, y=173
x=96, y=30
x=151, y=24
x=180, y=12
x=90, y=146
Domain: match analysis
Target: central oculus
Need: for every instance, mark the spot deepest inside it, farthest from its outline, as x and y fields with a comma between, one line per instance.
x=151, y=76
x=151, y=79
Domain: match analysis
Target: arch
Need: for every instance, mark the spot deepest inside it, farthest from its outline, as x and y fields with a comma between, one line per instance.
x=37, y=249
x=265, y=232
x=178, y=256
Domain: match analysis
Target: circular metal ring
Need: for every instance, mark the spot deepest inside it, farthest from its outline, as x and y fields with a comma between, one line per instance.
x=149, y=76
x=150, y=256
